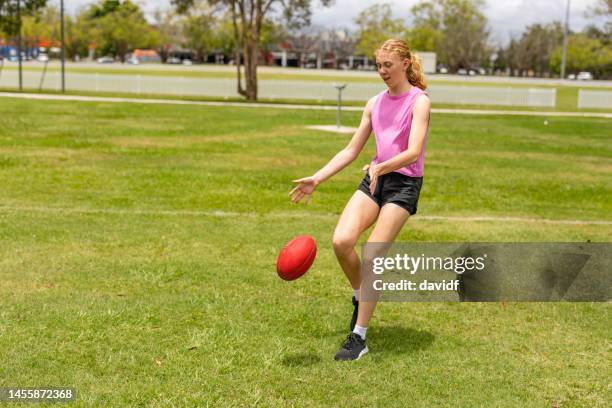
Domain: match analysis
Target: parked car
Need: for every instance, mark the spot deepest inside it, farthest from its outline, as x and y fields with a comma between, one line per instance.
x=187, y=62
x=571, y=76
x=42, y=58
x=133, y=61
x=584, y=76
x=462, y=71
x=105, y=60
x=173, y=60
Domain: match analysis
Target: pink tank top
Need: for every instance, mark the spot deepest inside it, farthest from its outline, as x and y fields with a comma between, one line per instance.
x=391, y=122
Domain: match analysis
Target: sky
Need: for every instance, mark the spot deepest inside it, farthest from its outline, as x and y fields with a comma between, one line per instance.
x=507, y=18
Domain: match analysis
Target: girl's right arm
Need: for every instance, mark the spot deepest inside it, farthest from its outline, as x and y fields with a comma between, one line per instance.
x=306, y=186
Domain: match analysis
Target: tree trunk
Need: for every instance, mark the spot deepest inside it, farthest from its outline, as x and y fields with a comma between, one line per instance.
x=249, y=43
x=238, y=45
x=251, y=50
x=251, y=71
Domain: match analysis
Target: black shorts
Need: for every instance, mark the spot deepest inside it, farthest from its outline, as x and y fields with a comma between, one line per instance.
x=395, y=188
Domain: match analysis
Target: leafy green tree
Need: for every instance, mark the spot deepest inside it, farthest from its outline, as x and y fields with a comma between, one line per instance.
x=80, y=34
x=424, y=38
x=375, y=25
x=458, y=28
x=248, y=17
x=272, y=35
x=200, y=33
x=41, y=25
x=604, y=36
x=9, y=23
x=121, y=27
x=584, y=54
x=501, y=60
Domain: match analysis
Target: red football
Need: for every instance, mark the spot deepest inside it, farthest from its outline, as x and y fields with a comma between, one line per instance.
x=296, y=257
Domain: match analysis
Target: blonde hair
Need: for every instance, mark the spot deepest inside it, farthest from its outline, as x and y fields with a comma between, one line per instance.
x=414, y=73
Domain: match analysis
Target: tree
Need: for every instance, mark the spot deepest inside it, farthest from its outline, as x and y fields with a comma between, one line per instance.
x=458, y=28
x=304, y=42
x=272, y=35
x=80, y=34
x=375, y=25
x=41, y=26
x=338, y=43
x=121, y=27
x=534, y=49
x=600, y=8
x=500, y=63
x=424, y=38
x=584, y=54
x=9, y=23
x=169, y=27
x=200, y=32
x=248, y=17
x=594, y=32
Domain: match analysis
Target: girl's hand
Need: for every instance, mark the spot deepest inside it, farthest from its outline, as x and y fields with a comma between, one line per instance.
x=305, y=187
x=373, y=171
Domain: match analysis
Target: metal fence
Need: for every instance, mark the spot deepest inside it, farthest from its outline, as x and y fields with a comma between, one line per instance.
x=274, y=89
x=594, y=99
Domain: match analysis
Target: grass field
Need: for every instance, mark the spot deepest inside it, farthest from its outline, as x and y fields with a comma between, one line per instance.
x=138, y=247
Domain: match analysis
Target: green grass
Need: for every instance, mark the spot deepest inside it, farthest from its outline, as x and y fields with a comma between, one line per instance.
x=137, y=308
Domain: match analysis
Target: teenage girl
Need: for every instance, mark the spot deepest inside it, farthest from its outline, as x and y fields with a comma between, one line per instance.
x=389, y=192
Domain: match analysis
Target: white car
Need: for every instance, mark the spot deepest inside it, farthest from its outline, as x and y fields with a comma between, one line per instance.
x=133, y=61
x=584, y=76
x=42, y=58
x=105, y=60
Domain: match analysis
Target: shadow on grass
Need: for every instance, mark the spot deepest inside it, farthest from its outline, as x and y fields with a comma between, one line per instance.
x=300, y=360
x=396, y=340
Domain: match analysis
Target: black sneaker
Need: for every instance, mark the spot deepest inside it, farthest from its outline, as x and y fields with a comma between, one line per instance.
x=355, y=313
x=353, y=348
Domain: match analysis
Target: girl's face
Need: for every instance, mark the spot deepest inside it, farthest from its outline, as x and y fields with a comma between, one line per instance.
x=391, y=68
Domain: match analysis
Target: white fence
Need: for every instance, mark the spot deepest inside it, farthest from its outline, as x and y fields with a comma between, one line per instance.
x=594, y=99
x=481, y=95
x=274, y=89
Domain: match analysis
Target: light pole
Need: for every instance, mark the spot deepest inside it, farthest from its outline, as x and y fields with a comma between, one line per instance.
x=340, y=88
x=62, y=53
x=19, y=43
x=565, y=30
